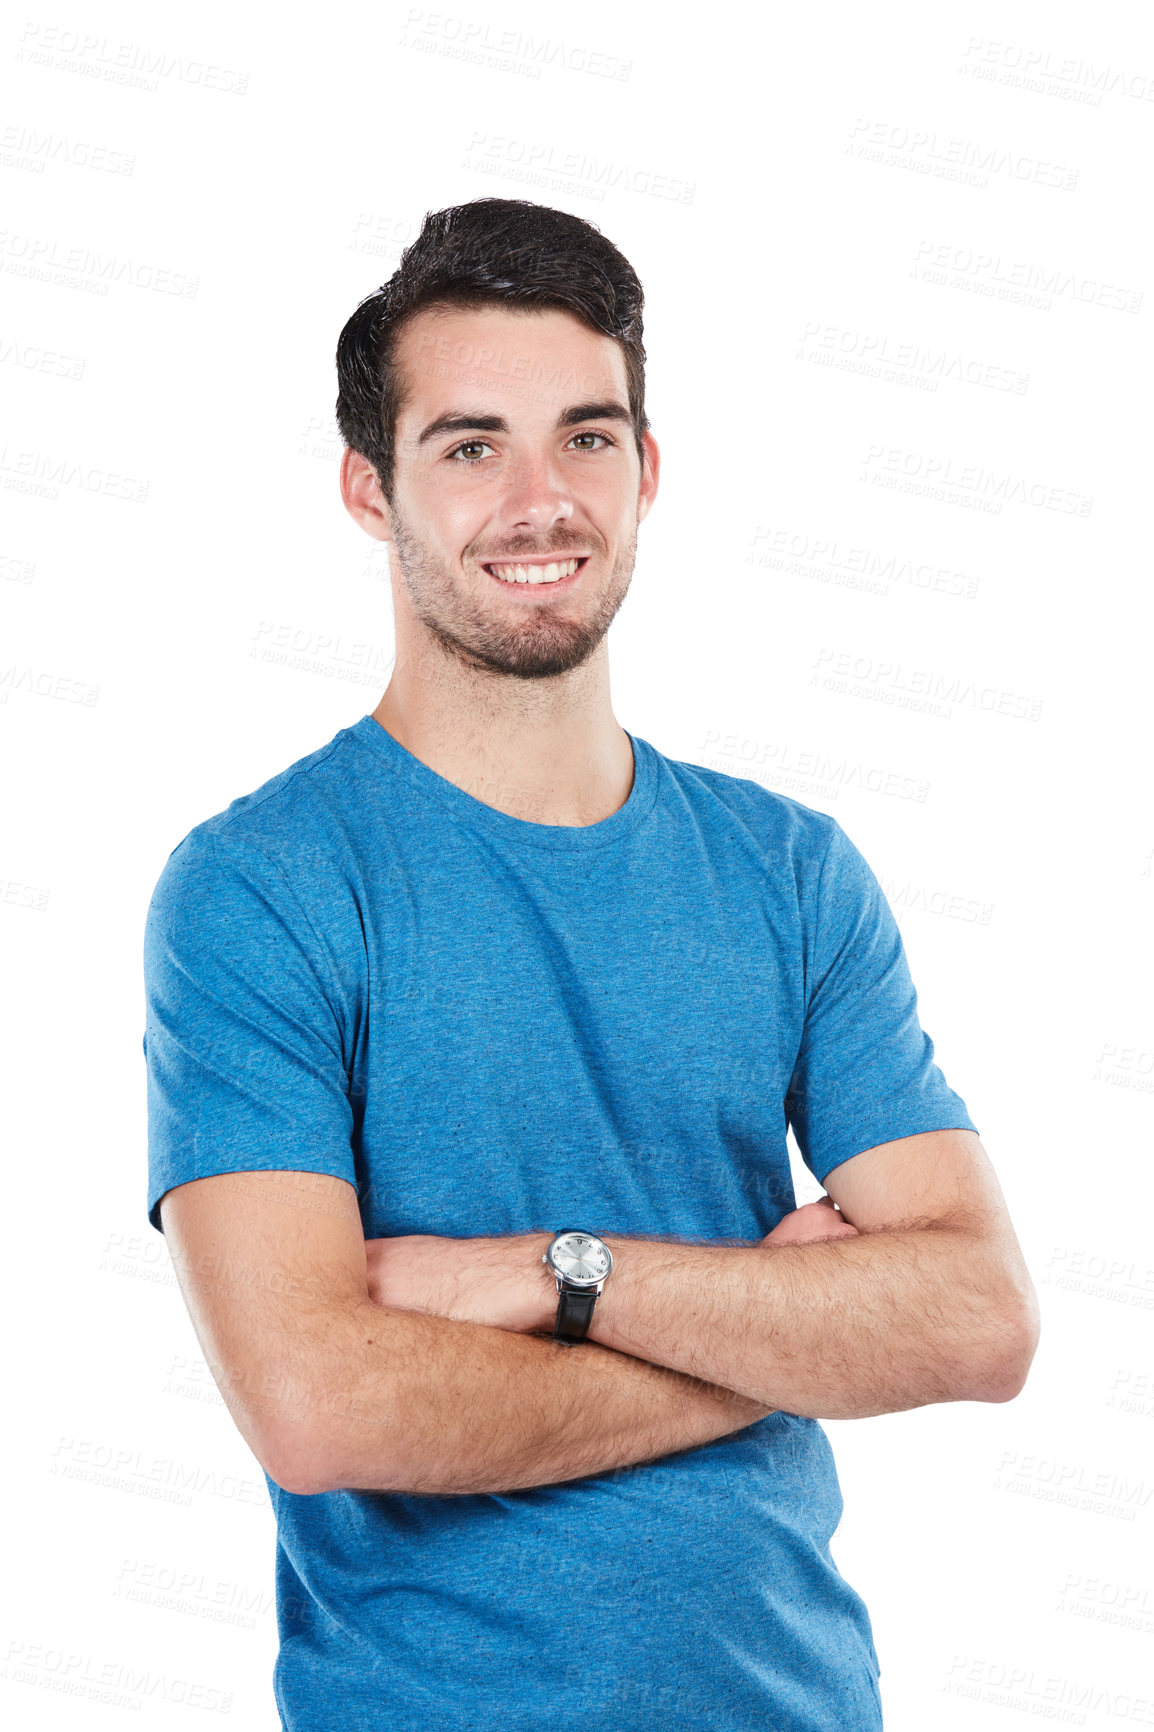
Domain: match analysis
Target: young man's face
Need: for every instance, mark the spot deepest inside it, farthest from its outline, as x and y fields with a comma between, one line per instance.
x=515, y=446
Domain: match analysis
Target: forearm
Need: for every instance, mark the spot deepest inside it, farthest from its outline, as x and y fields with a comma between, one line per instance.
x=840, y=1329
x=426, y=1404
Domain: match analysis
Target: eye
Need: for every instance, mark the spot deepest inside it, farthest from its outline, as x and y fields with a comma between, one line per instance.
x=457, y=454
x=469, y=444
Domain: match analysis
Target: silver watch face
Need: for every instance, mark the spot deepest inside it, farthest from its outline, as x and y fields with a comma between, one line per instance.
x=581, y=1257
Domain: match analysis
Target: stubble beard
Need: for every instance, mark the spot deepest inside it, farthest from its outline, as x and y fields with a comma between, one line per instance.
x=535, y=648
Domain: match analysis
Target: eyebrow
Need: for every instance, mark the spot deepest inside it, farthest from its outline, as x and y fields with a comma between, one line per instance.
x=457, y=422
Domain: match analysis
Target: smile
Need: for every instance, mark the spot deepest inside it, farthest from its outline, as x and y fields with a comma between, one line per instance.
x=555, y=571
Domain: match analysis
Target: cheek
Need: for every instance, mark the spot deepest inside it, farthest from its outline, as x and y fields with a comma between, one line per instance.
x=610, y=515
x=459, y=517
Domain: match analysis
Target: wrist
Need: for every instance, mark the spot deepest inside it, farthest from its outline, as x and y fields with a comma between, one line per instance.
x=580, y=1266
x=628, y=1262
x=540, y=1286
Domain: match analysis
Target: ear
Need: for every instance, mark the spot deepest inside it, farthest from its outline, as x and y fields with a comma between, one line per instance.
x=650, y=473
x=361, y=492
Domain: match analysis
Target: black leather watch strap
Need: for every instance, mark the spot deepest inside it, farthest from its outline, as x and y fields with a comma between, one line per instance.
x=574, y=1315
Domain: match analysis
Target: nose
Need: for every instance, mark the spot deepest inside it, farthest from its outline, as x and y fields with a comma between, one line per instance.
x=536, y=496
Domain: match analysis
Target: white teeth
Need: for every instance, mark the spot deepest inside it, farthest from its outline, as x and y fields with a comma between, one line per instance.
x=535, y=573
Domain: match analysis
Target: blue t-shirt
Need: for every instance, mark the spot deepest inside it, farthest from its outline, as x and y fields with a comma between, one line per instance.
x=491, y=1026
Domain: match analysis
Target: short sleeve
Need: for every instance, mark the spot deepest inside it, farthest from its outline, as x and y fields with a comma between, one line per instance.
x=243, y=1038
x=865, y=1071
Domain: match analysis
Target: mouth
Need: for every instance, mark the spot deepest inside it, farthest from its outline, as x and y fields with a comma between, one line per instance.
x=536, y=574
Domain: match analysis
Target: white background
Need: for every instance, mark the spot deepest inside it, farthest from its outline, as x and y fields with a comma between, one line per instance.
x=899, y=283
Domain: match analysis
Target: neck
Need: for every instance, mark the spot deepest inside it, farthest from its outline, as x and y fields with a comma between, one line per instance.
x=549, y=751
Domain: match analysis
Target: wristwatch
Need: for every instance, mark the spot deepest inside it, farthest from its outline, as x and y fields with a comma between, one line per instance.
x=581, y=1262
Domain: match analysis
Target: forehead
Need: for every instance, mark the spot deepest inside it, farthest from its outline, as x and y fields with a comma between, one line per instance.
x=528, y=362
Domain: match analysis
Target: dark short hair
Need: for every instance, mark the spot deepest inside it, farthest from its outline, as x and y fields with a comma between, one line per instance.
x=496, y=252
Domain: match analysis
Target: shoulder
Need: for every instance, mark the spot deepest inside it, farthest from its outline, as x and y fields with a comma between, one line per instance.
x=312, y=792
x=784, y=829
x=299, y=825
x=285, y=864
x=804, y=856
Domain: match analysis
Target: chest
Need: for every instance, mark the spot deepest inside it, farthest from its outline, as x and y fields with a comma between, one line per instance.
x=536, y=1046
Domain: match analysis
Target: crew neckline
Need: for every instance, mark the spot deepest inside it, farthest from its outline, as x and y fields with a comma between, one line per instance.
x=466, y=808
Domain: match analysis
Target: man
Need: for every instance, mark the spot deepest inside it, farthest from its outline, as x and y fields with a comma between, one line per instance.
x=487, y=979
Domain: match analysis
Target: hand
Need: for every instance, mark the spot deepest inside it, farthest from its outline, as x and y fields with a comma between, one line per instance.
x=813, y=1221
x=501, y=1282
